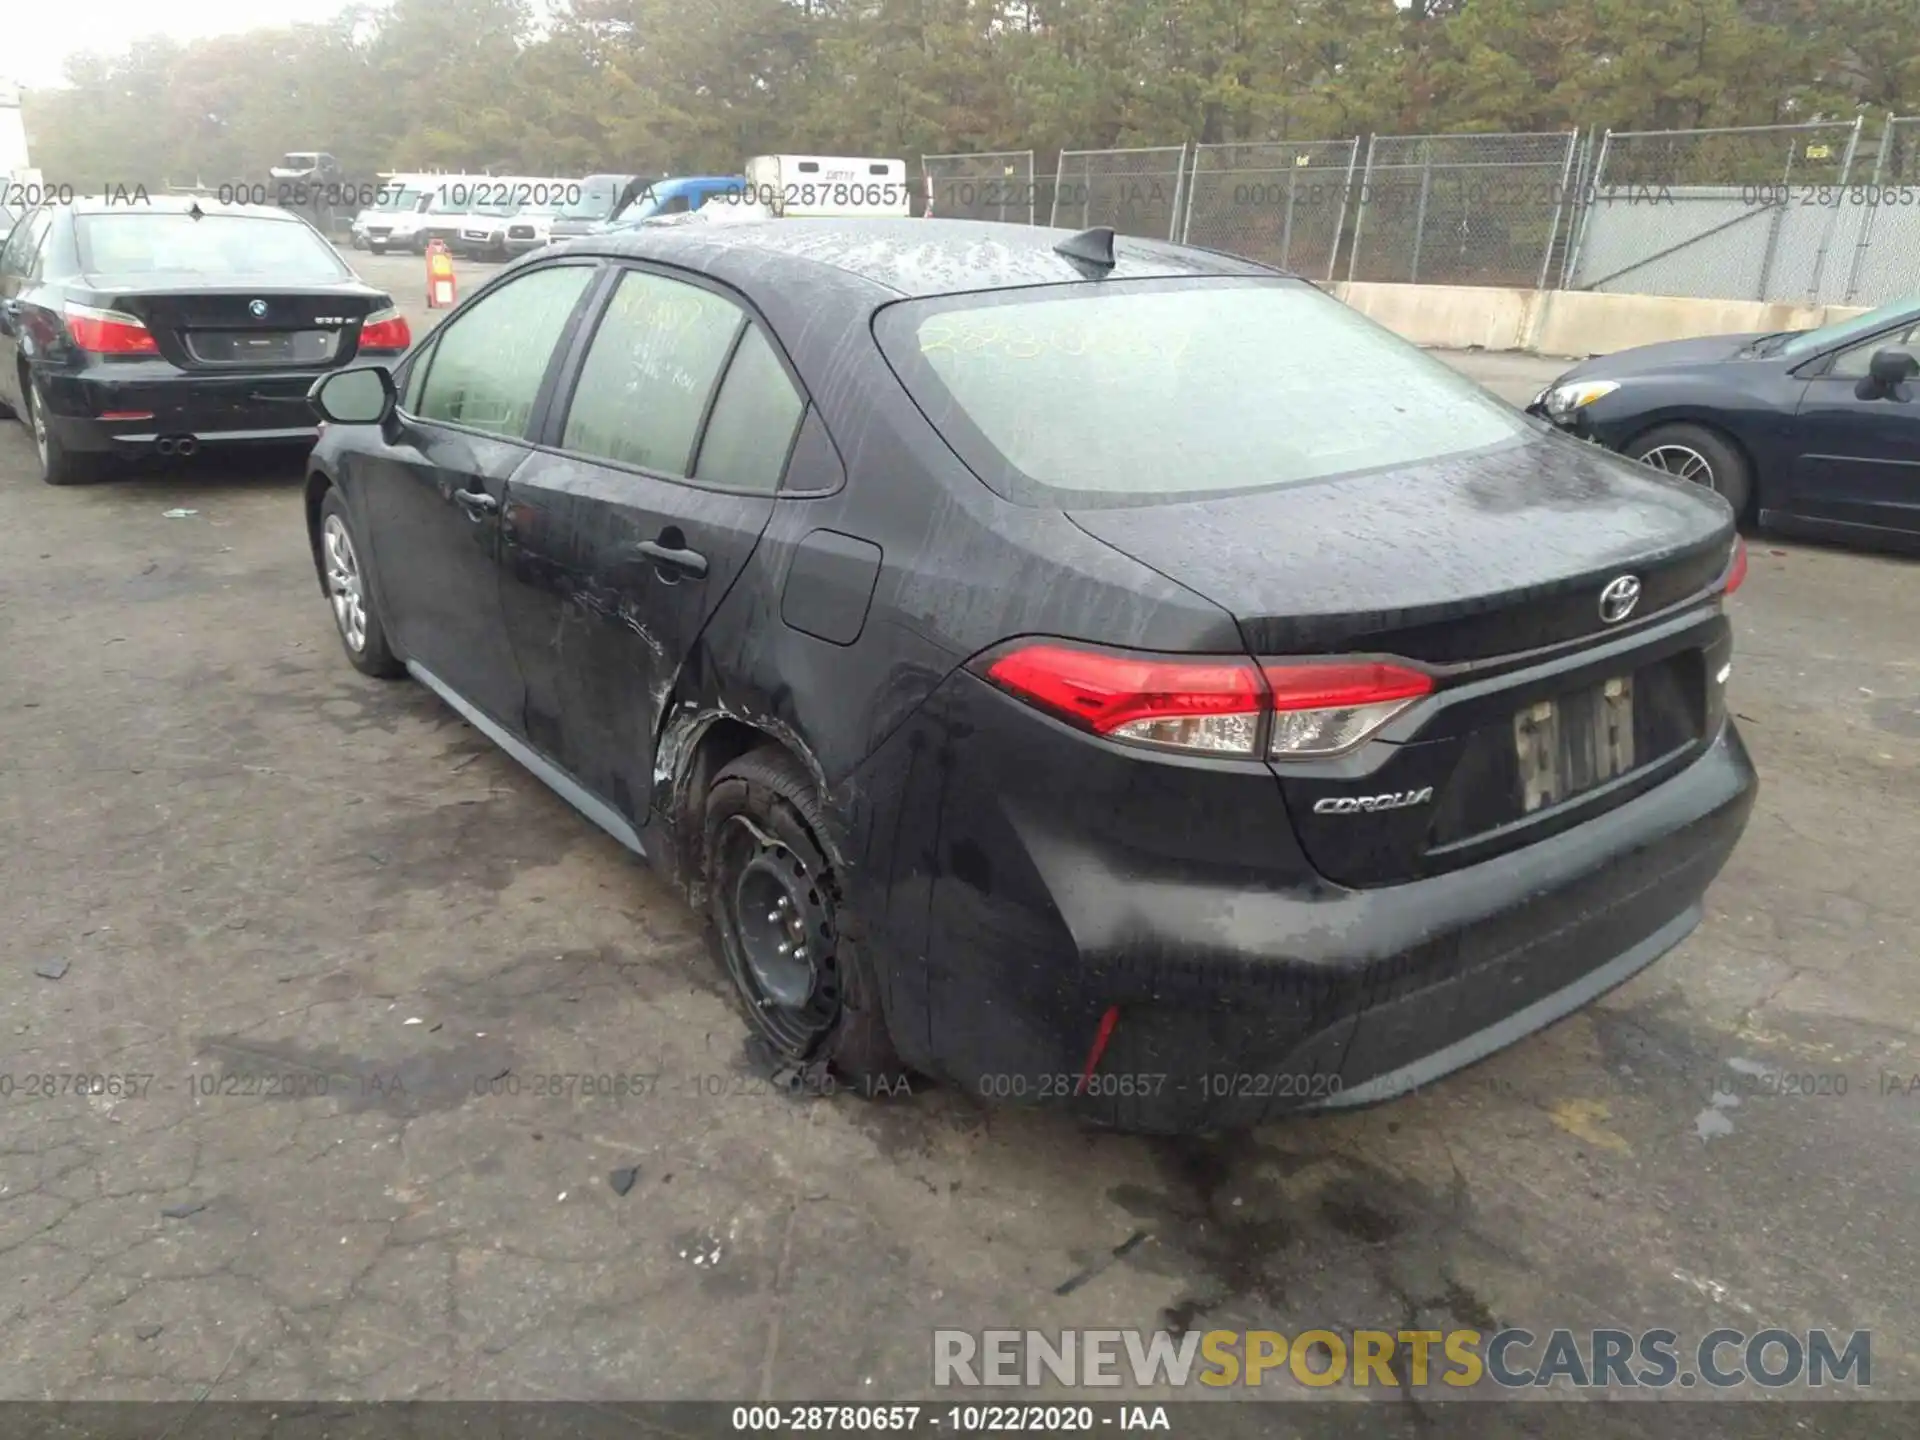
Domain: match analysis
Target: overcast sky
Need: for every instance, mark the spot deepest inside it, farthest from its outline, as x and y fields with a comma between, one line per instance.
x=40, y=35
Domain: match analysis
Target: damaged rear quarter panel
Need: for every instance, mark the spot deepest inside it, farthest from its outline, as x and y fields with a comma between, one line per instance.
x=960, y=570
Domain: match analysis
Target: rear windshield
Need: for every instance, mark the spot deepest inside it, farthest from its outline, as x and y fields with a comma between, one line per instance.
x=1136, y=391
x=139, y=241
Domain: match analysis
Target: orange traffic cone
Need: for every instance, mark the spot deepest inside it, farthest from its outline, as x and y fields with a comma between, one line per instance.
x=439, y=276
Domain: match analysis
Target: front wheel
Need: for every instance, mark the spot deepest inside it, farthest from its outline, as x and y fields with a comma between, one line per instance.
x=788, y=938
x=356, y=616
x=1703, y=456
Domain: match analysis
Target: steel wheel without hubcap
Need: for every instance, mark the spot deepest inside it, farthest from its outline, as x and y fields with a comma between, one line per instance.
x=778, y=937
x=1681, y=462
x=344, y=584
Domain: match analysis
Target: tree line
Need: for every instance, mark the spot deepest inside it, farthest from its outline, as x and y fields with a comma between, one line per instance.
x=651, y=86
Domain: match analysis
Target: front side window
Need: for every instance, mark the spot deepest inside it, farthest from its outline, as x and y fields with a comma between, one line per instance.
x=1148, y=391
x=1854, y=364
x=488, y=363
x=648, y=375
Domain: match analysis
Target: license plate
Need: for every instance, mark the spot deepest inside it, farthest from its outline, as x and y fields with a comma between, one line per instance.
x=1573, y=743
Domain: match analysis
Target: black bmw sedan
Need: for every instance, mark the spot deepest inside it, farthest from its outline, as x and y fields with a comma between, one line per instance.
x=173, y=324
x=1109, y=675
x=1808, y=431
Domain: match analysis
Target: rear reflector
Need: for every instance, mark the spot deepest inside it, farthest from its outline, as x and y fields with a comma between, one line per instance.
x=108, y=332
x=385, y=330
x=1736, y=567
x=1211, y=706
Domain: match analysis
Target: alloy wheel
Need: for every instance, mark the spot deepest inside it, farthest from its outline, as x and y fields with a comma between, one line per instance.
x=1682, y=462
x=345, y=587
x=778, y=935
x=38, y=421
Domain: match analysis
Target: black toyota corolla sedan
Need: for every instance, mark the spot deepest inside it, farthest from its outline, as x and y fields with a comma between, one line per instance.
x=174, y=324
x=1105, y=674
x=1808, y=431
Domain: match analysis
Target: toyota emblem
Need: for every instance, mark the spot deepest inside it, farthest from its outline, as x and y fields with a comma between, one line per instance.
x=259, y=308
x=1619, y=598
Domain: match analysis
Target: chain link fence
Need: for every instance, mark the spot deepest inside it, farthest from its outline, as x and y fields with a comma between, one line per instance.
x=1747, y=214
x=1462, y=209
x=1885, y=261
x=996, y=185
x=1792, y=213
x=1137, y=192
x=1283, y=203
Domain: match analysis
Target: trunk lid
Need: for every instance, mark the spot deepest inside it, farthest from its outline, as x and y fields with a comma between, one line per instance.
x=1462, y=559
x=215, y=327
x=1466, y=566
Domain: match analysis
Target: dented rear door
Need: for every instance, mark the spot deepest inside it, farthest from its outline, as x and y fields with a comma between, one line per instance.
x=627, y=529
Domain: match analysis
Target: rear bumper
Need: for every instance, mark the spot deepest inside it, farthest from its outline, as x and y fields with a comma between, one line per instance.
x=1248, y=990
x=159, y=402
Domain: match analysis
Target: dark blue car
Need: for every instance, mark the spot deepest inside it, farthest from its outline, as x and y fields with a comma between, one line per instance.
x=1814, y=431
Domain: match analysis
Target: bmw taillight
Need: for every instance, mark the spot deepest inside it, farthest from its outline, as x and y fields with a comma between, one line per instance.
x=1211, y=706
x=385, y=330
x=108, y=332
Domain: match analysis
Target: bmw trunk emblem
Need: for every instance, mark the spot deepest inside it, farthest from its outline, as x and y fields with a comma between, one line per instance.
x=259, y=308
x=1619, y=598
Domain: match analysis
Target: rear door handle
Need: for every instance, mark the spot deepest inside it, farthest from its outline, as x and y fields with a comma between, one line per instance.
x=687, y=562
x=477, y=503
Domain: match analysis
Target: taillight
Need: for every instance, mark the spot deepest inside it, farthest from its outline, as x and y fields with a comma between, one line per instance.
x=1212, y=706
x=385, y=330
x=1736, y=567
x=1205, y=705
x=108, y=332
x=1323, y=709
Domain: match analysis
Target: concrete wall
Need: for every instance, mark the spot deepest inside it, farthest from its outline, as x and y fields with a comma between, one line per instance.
x=1566, y=322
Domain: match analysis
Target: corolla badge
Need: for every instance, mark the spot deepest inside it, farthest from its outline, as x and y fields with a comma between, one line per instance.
x=258, y=307
x=1367, y=804
x=1619, y=598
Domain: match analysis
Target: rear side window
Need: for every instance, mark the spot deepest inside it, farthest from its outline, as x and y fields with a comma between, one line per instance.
x=747, y=440
x=23, y=245
x=1145, y=391
x=137, y=242
x=488, y=363
x=649, y=373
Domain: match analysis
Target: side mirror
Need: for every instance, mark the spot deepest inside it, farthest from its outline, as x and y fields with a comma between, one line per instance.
x=1889, y=370
x=361, y=396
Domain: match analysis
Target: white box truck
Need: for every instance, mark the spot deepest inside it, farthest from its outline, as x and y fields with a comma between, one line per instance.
x=801, y=186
